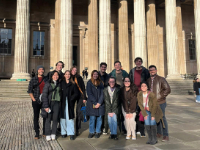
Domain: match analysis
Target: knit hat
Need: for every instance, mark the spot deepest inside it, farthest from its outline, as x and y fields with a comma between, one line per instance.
x=40, y=66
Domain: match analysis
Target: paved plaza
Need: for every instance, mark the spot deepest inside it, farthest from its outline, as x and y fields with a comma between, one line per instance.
x=16, y=130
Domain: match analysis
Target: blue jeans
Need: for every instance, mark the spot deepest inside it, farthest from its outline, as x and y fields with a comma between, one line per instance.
x=112, y=121
x=67, y=125
x=92, y=124
x=160, y=126
x=148, y=121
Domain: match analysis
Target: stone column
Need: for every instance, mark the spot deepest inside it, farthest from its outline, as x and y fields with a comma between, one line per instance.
x=197, y=31
x=171, y=35
x=181, y=52
x=152, y=39
x=123, y=34
x=66, y=32
x=140, y=30
x=93, y=35
x=22, y=40
x=105, y=33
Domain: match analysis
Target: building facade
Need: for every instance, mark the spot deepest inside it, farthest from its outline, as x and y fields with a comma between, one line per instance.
x=86, y=32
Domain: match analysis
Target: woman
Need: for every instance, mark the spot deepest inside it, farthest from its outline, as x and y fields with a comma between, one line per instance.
x=69, y=94
x=151, y=111
x=112, y=107
x=95, y=105
x=196, y=87
x=51, y=103
x=81, y=99
x=129, y=101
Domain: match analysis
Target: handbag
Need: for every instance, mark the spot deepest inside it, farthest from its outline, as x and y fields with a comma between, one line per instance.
x=141, y=117
x=43, y=113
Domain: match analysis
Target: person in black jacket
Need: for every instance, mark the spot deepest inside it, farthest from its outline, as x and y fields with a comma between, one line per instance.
x=137, y=75
x=69, y=94
x=196, y=87
x=35, y=88
x=59, y=66
x=112, y=107
x=81, y=99
x=51, y=104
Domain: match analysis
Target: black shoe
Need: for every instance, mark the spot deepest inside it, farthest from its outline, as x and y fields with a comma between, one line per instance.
x=77, y=133
x=97, y=135
x=72, y=137
x=59, y=130
x=115, y=137
x=90, y=135
x=64, y=136
x=111, y=136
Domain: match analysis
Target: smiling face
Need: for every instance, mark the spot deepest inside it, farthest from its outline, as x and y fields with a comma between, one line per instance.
x=59, y=67
x=127, y=82
x=55, y=76
x=67, y=75
x=95, y=76
x=117, y=66
x=138, y=63
x=144, y=87
x=40, y=71
x=103, y=68
x=111, y=82
x=74, y=71
x=152, y=71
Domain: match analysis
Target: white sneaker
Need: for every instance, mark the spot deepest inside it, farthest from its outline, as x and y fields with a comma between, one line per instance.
x=48, y=138
x=53, y=137
x=138, y=133
x=128, y=137
x=133, y=138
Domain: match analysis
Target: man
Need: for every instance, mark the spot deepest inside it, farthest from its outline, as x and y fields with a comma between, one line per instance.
x=35, y=88
x=137, y=75
x=118, y=73
x=59, y=66
x=86, y=74
x=104, y=76
x=161, y=89
x=83, y=73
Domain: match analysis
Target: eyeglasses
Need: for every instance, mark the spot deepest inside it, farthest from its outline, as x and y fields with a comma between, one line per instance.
x=126, y=81
x=152, y=70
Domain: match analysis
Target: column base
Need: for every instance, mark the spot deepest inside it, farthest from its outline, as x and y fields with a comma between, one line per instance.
x=174, y=76
x=25, y=76
x=198, y=76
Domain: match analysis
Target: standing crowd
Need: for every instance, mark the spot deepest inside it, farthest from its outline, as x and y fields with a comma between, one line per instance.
x=129, y=102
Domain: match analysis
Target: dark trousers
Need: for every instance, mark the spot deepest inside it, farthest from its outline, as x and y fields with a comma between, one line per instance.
x=160, y=129
x=139, y=124
x=78, y=113
x=36, y=114
x=53, y=115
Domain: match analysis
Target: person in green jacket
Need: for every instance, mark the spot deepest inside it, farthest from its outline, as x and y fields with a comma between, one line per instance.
x=112, y=107
x=119, y=74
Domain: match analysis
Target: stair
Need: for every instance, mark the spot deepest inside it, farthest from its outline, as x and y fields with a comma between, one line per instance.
x=181, y=87
x=13, y=90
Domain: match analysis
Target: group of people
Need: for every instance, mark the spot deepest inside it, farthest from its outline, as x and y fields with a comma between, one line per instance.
x=85, y=74
x=133, y=102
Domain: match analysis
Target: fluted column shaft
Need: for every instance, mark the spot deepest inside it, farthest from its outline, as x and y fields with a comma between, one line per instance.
x=22, y=40
x=93, y=35
x=123, y=34
x=171, y=39
x=105, y=33
x=66, y=31
x=140, y=30
x=197, y=31
x=152, y=40
x=181, y=51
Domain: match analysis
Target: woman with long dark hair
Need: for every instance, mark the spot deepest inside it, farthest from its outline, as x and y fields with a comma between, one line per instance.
x=51, y=103
x=151, y=111
x=128, y=96
x=95, y=104
x=69, y=94
x=81, y=99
